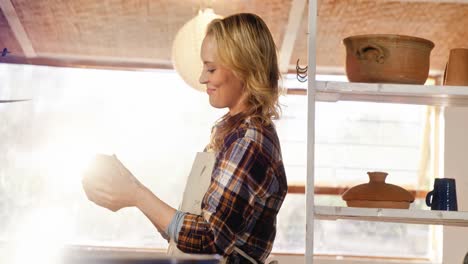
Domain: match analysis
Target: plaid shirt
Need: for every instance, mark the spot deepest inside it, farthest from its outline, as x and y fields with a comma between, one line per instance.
x=248, y=186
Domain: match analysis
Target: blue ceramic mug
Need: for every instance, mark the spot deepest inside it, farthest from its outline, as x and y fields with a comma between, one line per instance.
x=444, y=195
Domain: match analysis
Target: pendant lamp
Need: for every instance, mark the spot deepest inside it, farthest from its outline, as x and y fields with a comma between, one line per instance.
x=186, y=48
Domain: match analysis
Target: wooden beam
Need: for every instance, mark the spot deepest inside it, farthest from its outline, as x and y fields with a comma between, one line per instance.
x=17, y=28
x=13, y=101
x=323, y=190
x=87, y=63
x=103, y=59
x=296, y=91
x=290, y=35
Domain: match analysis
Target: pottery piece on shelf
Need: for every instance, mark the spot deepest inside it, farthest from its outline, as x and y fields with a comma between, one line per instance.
x=378, y=194
x=387, y=58
x=456, y=71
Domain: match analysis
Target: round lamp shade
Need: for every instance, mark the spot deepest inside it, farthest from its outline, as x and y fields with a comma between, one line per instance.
x=186, y=48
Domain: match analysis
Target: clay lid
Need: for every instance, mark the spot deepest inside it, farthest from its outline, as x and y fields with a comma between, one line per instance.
x=377, y=190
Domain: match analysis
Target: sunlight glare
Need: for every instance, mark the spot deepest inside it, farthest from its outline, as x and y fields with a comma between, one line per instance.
x=41, y=237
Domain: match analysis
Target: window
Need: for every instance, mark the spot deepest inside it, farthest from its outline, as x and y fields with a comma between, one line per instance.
x=151, y=120
x=353, y=138
x=154, y=123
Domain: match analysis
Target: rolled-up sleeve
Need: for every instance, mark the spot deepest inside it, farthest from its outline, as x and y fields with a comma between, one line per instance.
x=235, y=199
x=196, y=236
x=175, y=225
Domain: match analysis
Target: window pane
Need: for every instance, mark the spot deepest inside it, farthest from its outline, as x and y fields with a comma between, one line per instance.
x=152, y=121
x=339, y=237
x=352, y=138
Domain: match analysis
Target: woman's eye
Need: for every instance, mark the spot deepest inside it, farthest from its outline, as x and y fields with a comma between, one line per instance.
x=211, y=70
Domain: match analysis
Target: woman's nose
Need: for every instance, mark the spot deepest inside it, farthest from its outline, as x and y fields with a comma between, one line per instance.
x=203, y=78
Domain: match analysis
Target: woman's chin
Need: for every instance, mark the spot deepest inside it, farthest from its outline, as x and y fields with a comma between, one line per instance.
x=215, y=104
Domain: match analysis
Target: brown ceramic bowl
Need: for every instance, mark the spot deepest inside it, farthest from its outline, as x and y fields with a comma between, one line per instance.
x=386, y=58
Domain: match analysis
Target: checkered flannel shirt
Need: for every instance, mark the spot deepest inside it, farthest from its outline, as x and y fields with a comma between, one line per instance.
x=248, y=186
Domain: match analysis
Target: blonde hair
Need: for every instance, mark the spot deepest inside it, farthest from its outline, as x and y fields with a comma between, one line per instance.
x=246, y=46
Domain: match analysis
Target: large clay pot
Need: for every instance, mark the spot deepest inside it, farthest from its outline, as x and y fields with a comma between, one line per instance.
x=382, y=58
x=378, y=194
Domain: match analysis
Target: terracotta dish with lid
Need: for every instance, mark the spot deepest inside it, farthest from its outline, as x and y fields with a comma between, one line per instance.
x=378, y=194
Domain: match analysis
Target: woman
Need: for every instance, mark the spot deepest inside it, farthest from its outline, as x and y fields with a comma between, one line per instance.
x=248, y=183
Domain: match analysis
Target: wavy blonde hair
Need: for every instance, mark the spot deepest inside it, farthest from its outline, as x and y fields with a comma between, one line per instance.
x=245, y=46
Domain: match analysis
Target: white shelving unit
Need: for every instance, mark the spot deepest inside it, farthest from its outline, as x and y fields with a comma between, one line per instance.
x=388, y=93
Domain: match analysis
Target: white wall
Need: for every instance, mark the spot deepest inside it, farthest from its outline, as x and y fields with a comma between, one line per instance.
x=456, y=166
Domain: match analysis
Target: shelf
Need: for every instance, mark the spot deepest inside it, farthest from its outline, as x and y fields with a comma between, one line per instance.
x=392, y=93
x=448, y=218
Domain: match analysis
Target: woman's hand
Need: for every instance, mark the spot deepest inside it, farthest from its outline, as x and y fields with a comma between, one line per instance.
x=108, y=183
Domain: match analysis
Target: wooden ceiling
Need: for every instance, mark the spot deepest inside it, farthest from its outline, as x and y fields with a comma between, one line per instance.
x=139, y=33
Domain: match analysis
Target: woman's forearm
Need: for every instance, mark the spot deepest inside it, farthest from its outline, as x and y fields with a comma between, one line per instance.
x=157, y=211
